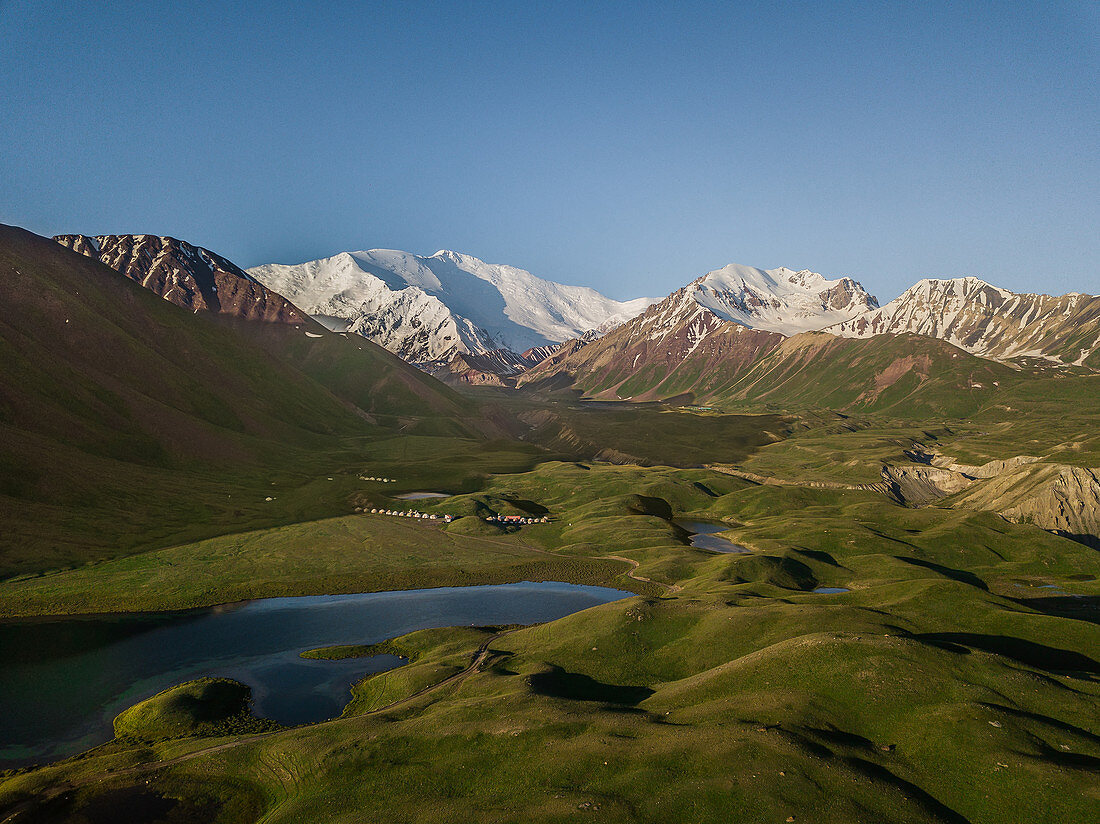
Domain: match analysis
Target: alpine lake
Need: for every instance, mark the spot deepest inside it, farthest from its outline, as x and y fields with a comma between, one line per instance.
x=65, y=680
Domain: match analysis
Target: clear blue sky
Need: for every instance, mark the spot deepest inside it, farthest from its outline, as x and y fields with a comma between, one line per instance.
x=627, y=146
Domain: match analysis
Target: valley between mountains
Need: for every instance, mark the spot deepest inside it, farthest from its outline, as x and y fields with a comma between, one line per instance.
x=904, y=627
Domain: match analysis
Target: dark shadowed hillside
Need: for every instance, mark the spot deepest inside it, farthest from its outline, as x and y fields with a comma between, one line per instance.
x=125, y=419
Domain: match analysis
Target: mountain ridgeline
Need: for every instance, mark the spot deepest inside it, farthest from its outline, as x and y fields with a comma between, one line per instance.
x=990, y=322
x=468, y=321
x=720, y=339
x=202, y=281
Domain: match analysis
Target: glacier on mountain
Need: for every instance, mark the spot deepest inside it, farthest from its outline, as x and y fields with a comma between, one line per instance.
x=429, y=309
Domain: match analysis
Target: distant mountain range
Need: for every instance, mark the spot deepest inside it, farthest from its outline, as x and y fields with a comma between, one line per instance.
x=468, y=321
x=108, y=387
x=718, y=337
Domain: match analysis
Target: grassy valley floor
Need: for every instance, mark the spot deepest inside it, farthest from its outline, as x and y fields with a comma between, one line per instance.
x=955, y=680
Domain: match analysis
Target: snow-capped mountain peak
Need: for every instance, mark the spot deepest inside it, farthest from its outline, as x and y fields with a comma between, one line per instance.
x=427, y=309
x=779, y=300
x=987, y=320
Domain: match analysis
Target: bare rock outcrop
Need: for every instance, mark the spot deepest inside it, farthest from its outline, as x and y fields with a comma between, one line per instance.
x=920, y=485
x=1059, y=498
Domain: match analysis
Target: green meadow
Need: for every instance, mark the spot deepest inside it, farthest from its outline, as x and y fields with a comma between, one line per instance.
x=955, y=680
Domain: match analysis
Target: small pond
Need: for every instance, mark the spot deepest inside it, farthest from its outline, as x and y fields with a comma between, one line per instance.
x=1059, y=591
x=422, y=496
x=704, y=536
x=64, y=680
x=830, y=590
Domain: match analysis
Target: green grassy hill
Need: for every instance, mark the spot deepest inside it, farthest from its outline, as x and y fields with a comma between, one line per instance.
x=203, y=707
x=127, y=422
x=908, y=375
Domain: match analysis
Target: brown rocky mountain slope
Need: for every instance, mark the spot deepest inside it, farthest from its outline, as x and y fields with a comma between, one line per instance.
x=675, y=346
x=186, y=275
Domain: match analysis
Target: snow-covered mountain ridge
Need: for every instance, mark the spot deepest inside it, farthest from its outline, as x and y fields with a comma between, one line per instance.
x=773, y=300
x=714, y=327
x=988, y=321
x=429, y=309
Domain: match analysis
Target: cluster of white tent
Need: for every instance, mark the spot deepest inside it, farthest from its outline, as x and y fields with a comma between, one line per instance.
x=411, y=513
x=380, y=480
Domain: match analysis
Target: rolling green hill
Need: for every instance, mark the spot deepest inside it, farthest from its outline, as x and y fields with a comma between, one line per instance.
x=947, y=674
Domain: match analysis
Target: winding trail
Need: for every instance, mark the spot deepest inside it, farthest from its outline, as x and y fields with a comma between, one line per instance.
x=481, y=654
x=670, y=588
